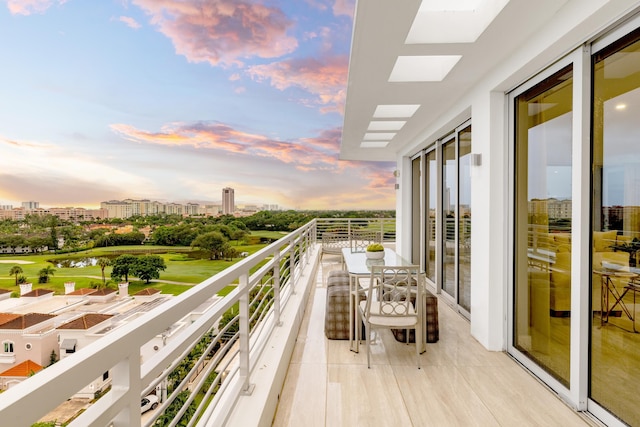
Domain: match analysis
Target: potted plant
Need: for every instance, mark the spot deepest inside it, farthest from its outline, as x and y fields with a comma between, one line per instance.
x=375, y=251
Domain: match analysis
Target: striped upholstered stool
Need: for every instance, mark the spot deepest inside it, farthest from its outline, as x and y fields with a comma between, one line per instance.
x=431, y=315
x=336, y=318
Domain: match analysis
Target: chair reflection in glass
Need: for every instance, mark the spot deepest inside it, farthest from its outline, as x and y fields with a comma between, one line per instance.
x=389, y=304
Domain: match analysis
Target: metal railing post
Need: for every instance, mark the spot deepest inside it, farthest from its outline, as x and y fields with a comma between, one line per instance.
x=292, y=265
x=244, y=360
x=276, y=288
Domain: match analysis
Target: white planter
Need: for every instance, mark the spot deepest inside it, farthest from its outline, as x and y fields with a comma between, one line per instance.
x=375, y=255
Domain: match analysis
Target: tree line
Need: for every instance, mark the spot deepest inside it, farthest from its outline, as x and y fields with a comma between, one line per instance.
x=38, y=233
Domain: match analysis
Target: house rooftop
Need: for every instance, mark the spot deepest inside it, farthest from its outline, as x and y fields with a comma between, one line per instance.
x=6, y=317
x=82, y=291
x=146, y=292
x=26, y=321
x=86, y=321
x=37, y=293
x=24, y=369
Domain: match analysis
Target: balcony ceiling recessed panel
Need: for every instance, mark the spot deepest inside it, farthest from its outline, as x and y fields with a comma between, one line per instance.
x=379, y=39
x=379, y=136
x=426, y=68
x=374, y=144
x=446, y=21
x=386, y=125
x=397, y=111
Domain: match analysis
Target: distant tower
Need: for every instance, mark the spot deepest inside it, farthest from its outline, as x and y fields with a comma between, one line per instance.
x=30, y=205
x=228, y=201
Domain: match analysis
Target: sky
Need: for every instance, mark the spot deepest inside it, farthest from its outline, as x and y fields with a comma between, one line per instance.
x=173, y=100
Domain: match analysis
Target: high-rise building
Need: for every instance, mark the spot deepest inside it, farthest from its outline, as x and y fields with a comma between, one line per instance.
x=31, y=205
x=228, y=201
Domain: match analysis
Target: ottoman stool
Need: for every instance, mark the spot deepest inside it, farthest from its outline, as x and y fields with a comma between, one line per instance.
x=431, y=320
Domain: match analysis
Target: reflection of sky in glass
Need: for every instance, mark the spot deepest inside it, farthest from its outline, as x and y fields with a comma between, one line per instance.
x=550, y=159
x=465, y=184
x=621, y=169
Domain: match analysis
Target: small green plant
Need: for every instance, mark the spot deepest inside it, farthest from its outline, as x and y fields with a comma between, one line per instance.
x=375, y=247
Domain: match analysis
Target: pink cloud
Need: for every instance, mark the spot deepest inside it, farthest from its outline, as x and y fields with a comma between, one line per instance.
x=320, y=5
x=326, y=78
x=221, y=32
x=344, y=7
x=318, y=153
x=29, y=7
x=130, y=22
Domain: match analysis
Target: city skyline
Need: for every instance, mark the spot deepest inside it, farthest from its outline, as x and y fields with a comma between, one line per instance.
x=145, y=99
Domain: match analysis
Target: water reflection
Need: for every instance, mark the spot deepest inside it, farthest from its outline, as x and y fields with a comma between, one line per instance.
x=75, y=262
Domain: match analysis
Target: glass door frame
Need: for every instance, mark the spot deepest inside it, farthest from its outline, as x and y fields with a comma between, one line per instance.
x=576, y=394
x=605, y=41
x=437, y=147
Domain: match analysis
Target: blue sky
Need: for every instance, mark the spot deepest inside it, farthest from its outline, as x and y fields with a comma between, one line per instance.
x=175, y=99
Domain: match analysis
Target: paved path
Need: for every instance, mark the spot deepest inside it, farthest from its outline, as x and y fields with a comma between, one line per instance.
x=152, y=280
x=66, y=411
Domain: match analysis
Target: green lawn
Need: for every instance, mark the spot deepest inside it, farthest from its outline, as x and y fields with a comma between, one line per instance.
x=182, y=268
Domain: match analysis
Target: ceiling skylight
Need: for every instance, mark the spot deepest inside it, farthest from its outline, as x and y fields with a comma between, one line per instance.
x=378, y=136
x=397, y=111
x=428, y=68
x=447, y=21
x=374, y=144
x=386, y=124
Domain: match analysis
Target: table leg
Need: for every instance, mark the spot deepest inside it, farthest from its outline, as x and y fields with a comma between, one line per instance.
x=352, y=314
x=633, y=321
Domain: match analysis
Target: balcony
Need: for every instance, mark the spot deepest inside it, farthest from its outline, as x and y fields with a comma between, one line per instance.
x=271, y=363
x=460, y=382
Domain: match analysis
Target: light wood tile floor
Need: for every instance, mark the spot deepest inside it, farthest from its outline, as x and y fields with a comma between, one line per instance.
x=460, y=383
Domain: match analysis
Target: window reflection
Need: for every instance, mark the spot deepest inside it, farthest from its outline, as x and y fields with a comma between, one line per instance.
x=615, y=365
x=432, y=188
x=449, y=198
x=543, y=224
x=464, y=219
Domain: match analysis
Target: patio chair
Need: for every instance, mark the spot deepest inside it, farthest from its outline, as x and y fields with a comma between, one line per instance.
x=388, y=303
x=360, y=239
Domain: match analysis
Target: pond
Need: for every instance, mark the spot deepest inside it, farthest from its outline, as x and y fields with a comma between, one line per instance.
x=74, y=262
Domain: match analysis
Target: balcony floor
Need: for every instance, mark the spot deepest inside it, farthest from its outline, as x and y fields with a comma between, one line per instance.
x=460, y=383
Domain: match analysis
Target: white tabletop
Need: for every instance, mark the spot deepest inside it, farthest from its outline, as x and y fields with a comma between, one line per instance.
x=358, y=264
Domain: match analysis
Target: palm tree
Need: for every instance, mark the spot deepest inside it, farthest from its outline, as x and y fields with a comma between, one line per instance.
x=15, y=270
x=45, y=273
x=103, y=262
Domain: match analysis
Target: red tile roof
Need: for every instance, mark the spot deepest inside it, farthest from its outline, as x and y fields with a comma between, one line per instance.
x=26, y=321
x=82, y=291
x=37, y=293
x=6, y=317
x=85, y=322
x=147, y=292
x=24, y=369
x=102, y=292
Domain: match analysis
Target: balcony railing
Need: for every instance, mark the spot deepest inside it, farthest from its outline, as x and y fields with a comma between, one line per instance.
x=204, y=370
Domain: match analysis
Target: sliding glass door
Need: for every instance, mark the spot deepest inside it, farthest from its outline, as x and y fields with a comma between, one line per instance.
x=446, y=214
x=615, y=341
x=575, y=295
x=542, y=288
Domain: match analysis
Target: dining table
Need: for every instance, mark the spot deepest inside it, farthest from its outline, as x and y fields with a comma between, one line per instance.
x=358, y=266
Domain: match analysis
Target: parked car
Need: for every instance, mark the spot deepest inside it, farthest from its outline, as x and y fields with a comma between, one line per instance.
x=148, y=402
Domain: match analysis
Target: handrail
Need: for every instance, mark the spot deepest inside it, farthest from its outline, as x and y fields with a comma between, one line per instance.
x=266, y=282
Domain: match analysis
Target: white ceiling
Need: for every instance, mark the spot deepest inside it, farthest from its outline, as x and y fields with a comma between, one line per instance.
x=381, y=28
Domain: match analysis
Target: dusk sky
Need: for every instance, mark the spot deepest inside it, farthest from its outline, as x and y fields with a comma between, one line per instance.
x=172, y=100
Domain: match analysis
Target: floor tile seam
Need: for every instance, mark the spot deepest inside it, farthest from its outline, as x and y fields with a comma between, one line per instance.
x=463, y=375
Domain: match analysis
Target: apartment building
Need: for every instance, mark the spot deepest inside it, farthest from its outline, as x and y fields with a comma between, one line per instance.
x=525, y=112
